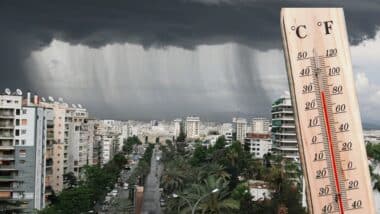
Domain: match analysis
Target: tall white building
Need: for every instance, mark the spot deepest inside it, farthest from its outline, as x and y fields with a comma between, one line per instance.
x=192, y=127
x=177, y=127
x=283, y=129
x=260, y=125
x=240, y=128
x=259, y=147
x=76, y=140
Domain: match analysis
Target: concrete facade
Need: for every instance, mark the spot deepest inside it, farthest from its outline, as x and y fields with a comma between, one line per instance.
x=284, y=129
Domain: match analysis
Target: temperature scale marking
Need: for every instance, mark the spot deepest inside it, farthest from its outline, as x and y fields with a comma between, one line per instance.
x=326, y=111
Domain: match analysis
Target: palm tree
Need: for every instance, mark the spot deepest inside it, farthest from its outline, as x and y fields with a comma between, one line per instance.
x=215, y=170
x=172, y=179
x=219, y=202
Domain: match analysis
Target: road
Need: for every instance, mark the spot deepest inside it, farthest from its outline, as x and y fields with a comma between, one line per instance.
x=120, y=203
x=151, y=203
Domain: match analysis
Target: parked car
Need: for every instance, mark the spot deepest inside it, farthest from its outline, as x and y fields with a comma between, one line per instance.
x=162, y=202
x=125, y=186
x=114, y=192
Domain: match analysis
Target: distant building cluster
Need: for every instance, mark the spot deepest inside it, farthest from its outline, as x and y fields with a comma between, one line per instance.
x=43, y=139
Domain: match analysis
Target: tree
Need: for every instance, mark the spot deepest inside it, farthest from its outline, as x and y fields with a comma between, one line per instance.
x=373, y=151
x=172, y=180
x=220, y=143
x=76, y=200
x=199, y=155
x=218, y=202
x=213, y=169
x=182, y=136
x=70, y=180
x=129, y=143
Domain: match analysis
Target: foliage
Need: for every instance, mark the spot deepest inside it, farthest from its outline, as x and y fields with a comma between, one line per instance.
x=199, y=155
x=195, y=174
x=96, y=183
x=373, y=151
x=69, y=180
x=182, y=136
x=143, y=167
x=129, y=143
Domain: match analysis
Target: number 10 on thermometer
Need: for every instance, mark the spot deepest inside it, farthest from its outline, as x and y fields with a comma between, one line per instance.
x=328, y=123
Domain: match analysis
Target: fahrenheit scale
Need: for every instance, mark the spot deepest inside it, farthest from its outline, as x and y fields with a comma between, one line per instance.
x=326, y=109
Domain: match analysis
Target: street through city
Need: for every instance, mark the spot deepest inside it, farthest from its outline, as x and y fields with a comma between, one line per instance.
x=151, y=203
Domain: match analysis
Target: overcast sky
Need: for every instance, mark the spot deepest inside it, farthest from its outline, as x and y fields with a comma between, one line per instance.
x=162, y=59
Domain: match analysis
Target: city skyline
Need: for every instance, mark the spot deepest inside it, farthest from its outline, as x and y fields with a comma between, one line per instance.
x=134, y=60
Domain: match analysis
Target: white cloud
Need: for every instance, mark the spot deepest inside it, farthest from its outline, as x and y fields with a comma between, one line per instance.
x=361, y=81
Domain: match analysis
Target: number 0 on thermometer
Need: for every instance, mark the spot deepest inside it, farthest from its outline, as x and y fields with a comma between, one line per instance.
x=326, y=109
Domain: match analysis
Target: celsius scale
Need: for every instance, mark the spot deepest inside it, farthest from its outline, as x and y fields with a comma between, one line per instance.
x=328, y=123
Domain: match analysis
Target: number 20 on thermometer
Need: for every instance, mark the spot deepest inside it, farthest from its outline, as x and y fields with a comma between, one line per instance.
x=326, y=110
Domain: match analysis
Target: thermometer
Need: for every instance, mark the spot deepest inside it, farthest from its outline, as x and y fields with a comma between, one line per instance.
x=328, y=123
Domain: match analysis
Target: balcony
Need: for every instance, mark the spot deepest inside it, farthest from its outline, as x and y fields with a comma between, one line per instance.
x=50, y=135
x=285, y=140
x=10, y=167
x=284, y=133
x=283, y=118
x=6, y=125
x=6, y=145
x=5, y=195
x=7, y=178
x=7, y=157
x=7, y=114
x=6, y=188
x=6, y=135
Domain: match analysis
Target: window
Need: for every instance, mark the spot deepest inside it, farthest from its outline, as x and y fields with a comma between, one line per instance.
x=17, y=111
x=17, y=122
x=22, y=153
x=9, y=101
x=24, y=122
x=22, y=161
x=24, y=111
x=23, y=131
x=17, y=132
x=17, y=142
x=23, y=142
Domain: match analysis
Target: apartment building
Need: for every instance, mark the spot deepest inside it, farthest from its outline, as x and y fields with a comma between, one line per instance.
x=177, y=127
x=24, y=163
x=240, y=128
x=192, y=127
x=260, y=125
x=75, y=140
x=55, y=144
x=283, y=129
x=258, y=144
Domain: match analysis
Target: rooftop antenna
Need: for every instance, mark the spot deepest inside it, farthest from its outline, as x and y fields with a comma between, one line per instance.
x=60, y=99
x=43, y=99
x=73, y=105
x=51, y=99
x=80, y=106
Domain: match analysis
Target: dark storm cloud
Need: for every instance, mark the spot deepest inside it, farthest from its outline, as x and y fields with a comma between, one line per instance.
x=31, y=25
